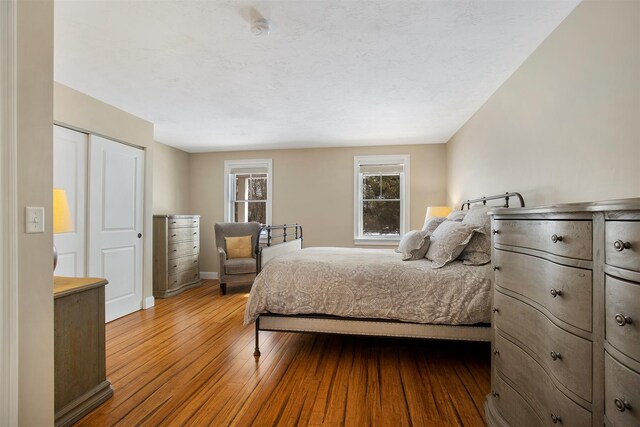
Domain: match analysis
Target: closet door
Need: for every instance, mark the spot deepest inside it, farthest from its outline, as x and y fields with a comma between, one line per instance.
x=70, y=174
x=116, y=187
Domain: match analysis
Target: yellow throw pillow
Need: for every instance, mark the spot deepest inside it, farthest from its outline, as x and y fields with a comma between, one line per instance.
x=238, y=247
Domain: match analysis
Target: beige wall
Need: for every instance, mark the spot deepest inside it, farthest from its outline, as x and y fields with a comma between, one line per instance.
x=566, y=126
x=313, y=187
x=171, y=193
x=35, y=181
x=85, y=113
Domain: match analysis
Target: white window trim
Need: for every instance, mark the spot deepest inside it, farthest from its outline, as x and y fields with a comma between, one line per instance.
x=8, y=219
x=404, y=197
x=247, y=163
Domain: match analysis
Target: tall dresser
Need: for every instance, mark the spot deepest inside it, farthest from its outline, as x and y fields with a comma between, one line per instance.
x=566, y=315
x=176, y=251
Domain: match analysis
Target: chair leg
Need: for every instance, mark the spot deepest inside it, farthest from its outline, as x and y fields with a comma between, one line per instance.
x=223, y=288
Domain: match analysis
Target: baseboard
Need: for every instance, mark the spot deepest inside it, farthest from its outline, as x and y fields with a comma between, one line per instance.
x=209, y=275
x=148, y=302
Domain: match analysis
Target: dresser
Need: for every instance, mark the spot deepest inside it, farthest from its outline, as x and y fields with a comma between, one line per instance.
x=566, y=315
x=176, y=251
x=79, y=347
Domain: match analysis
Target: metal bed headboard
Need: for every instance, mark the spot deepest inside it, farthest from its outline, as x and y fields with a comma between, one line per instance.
x=504, y=196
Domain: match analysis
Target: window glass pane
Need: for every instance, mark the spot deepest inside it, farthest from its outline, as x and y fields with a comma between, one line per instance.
x=391, y=186
x=371, y=186
x=251, y=211
x=380, y=218
x=241, y=185
x=257, y=188
x=258, y=212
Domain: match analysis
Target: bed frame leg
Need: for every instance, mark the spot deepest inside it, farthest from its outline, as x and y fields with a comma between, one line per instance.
x=256, y=353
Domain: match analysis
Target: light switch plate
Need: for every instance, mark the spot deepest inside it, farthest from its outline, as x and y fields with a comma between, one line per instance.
x=34, y=220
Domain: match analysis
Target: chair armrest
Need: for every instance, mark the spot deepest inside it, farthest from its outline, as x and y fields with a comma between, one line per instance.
x=222, y=258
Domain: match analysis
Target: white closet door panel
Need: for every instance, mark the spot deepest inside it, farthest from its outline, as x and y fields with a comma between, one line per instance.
x=116, y=198
x=70, y=174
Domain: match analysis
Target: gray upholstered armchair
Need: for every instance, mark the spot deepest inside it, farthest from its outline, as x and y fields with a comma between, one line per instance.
x=236, y=270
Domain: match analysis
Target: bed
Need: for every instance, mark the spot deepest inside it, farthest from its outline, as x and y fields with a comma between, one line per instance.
x=370, y=292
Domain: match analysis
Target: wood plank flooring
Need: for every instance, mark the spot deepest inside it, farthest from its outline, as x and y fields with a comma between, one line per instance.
x=189, y=361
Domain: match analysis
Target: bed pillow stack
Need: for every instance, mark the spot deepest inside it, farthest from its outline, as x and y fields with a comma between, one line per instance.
x=430, y=225
x=449, y=240
x=414, y=245
x=478, y=251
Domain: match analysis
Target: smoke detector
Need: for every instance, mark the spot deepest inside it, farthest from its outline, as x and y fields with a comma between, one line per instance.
x=261, y=27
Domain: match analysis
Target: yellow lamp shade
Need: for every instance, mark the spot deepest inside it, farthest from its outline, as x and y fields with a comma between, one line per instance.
x=61, y=214
x=436, y=211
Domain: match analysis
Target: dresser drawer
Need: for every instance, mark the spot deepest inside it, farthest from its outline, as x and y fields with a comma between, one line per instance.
x=514, y=363
x=621, y=393
x=177, y=250
x=564, y=291
x=183, y=234
x=622, y=316
x=622, y=244
x=532, y=328
x=565, y=238
x=175, y=222
x=183, y=277
x=515, y=410
x=183, y=263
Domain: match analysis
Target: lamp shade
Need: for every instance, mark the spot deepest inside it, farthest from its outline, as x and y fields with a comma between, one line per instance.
x=437, y=211
x=61, y=215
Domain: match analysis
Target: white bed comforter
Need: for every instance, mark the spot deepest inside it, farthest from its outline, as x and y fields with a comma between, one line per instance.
x=371, y=283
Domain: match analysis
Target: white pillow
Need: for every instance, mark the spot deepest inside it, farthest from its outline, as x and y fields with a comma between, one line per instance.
x=478, y=251
x=448, y=241
x=414, y=245
x=457, y=215
x=430, y=225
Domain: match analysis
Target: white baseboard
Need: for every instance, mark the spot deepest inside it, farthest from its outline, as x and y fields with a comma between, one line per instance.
x=209, y=275
x=148, y=302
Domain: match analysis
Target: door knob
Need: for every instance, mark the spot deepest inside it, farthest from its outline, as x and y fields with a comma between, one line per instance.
x=139, y=235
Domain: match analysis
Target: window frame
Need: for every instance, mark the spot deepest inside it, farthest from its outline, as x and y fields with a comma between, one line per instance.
x=229, y=185
x=392, y=159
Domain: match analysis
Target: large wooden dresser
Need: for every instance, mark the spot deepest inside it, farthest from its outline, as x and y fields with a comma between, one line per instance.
x=566, y=315
x=176, y=251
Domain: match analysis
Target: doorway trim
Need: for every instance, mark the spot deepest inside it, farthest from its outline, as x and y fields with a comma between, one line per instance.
x=8, y=217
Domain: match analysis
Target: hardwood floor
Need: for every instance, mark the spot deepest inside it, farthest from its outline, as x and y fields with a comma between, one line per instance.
x=189, y=361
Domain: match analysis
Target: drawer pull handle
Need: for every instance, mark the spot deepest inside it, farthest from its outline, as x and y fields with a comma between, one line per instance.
x=195, y=261
x=496, y=268
x=495, y=310
x=194, y=233
x=622, y=404
x=495, y=394
x=556, y=292
x=620, y=246
x=175, y=266
x=194, y=247
x=173, y=235
x=175, y=250
x=555, y=238
x=174, y=222
x=496, y=352
x=555, y=356
x=556, y=418
x=622, y=320
x=494, y=231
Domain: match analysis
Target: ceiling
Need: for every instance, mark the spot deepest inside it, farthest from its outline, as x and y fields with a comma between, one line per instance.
x=330, y=74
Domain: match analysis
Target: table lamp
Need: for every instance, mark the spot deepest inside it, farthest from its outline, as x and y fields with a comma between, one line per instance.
x=437, y=211
x=61, y=218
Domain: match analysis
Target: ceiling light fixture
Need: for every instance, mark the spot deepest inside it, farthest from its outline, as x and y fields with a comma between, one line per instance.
x=261, y=27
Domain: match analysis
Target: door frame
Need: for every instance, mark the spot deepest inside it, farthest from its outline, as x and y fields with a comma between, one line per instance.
x=8, y=217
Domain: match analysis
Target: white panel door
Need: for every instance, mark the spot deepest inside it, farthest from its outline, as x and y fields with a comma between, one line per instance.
x=70, y=174
x=115, y=224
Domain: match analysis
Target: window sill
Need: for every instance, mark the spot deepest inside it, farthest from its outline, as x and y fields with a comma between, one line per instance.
x=376, y=242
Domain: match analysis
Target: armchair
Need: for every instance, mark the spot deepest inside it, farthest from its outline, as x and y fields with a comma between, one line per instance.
x=236, y=270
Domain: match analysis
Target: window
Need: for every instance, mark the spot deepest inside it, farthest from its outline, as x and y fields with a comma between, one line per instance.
x=247, y=191
x=381, y=198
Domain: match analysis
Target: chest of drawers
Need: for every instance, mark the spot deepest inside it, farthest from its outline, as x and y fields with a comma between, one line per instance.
x=176, y=250
x=566, y=315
